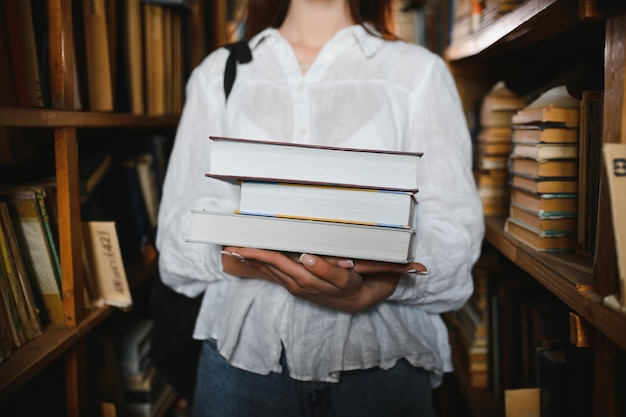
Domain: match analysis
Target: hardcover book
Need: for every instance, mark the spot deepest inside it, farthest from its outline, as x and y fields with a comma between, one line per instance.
x=317, y=202
x=389, y=244
x=541, y=203
x=292, y=162
x=555, y=105
x=541, y=240
x=543, y=168
x=543, y=133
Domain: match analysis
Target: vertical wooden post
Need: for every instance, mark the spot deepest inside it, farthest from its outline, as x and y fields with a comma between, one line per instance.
x=61, y=46
x=70, y=237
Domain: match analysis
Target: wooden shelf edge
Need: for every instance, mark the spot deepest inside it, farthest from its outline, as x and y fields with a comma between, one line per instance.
x=508, y=27
x=569, y=278
x=35, y=117
x=26, y=361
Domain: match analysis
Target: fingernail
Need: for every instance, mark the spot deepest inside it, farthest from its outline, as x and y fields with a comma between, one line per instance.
x=238, y=256
x=424, y=272
x=307, y=259
x=346, y=263
x=227, y=253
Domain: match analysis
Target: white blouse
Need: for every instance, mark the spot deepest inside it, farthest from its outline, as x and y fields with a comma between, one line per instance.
x=361, y=91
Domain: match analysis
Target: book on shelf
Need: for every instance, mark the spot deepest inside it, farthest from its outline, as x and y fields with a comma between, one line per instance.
x=37, y=243
x=25, y=57
x=492, y=162
x=545, y=185
x=104, y=267
x=615, y=162
x=20, y=286
x=542, y=203
x=499, y=105
x=541, y=240
x=539, y=151
x=132, y=53
x=8, y=93
x=494, y=148
x=544, y=133
x=553, y=106
x=320, y=202
x=282, y=161
x=96, y=53
x=589, y=167
x=544, y=220
x=554, y=401
x=522, y=402
x=92, y=167
x=491, y=177
x=544, y=168
x=390, y=244
x=154, y=58
x=494, y=134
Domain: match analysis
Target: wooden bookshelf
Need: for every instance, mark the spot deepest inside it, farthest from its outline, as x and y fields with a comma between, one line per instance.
x=554, y=34
x=65, y=127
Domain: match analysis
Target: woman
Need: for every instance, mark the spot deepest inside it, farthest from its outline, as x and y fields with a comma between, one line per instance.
x=315, y=335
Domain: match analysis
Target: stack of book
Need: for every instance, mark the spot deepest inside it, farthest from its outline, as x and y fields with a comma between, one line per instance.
x=493, y=148
x=544, y=172
x=343, y=202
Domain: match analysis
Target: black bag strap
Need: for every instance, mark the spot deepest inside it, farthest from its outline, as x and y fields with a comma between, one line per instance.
x=239, y=53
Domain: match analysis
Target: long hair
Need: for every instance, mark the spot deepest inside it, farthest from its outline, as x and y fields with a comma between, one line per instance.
x=262, y=14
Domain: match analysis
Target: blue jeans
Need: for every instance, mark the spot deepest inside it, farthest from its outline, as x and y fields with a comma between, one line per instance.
x=225, y=391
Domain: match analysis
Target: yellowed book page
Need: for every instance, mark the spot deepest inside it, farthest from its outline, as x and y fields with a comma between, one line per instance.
x=615, y=162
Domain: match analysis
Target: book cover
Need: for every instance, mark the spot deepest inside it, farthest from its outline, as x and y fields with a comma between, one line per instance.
x=615, y=162
x=154, y=58
x=104, y=264
x=281, y=161
x=389, y=244
x=554, y=401
x=350, y=205
x=544, y=168
x=541, y=240
x=589, y=167
x=545, y=185
x=542, y=203
x=13, y=307
x=92, y=167
x=541, y=151
x=545, y=220
x=8, y=94
x=21, y=288
x=132, y=33
x=35, y=244
x=98, y=61
x=543, y=133
x=24, y=55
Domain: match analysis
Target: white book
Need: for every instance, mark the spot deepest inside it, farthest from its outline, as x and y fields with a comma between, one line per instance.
x=389, y=244
x=340, y=204
x=291, y=162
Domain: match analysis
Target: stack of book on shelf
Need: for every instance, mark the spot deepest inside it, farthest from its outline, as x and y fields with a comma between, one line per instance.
x=470, y=338
x=493, y=147
x=145, y=390
x=344, y=202
x=544, y=172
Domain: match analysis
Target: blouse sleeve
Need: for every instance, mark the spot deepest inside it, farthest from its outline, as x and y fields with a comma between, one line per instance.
x=449, y=219
x=189, y=267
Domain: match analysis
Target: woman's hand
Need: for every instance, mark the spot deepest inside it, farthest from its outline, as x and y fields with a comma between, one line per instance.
x=332, y=282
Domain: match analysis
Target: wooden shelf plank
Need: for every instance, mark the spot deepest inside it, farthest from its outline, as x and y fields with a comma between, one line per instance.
x=552, y=16
x=33, y=117
x=568, y=276
x=28, y=360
